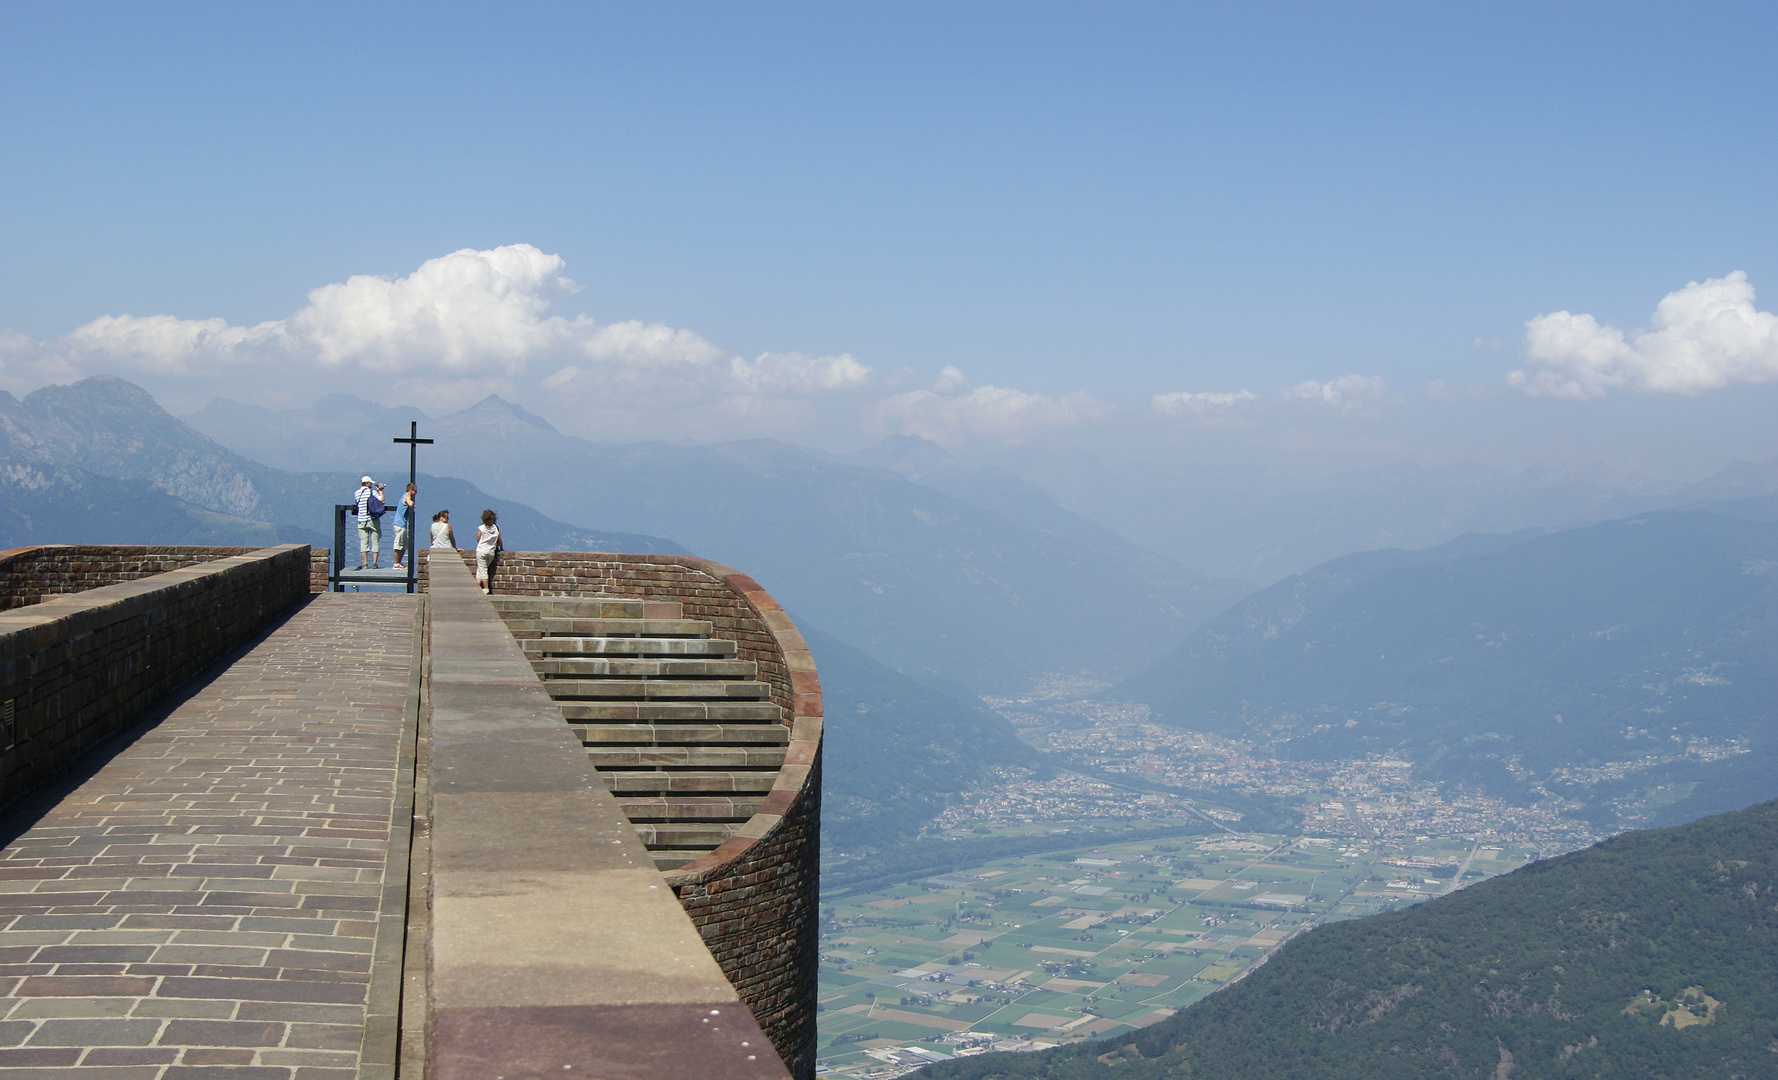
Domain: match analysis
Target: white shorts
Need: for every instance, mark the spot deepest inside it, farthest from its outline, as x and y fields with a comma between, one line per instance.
x=400, y=538
x=484, y=563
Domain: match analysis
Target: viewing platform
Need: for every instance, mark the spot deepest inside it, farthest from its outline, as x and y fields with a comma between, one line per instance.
x=276, y=835
x=372, y=575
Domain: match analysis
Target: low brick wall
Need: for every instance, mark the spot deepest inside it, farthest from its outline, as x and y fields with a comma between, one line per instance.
x=28, y=574
x=79, y=667
x=756, y=898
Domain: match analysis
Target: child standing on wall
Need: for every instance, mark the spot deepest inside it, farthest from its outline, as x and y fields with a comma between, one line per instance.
x=487, y=550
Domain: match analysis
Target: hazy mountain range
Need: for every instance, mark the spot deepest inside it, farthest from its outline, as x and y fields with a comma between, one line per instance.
x=101, y=462
x=1605, y=663
x=924, y=581
x=1260, y=525
x=986, y=590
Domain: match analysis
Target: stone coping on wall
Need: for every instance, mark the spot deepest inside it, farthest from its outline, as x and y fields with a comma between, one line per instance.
x=556, y=947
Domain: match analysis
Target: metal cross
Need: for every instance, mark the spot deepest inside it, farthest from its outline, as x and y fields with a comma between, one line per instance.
x=413, y=449
x=414, y=442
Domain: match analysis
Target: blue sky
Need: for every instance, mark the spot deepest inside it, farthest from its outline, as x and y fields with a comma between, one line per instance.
x=1075, y=207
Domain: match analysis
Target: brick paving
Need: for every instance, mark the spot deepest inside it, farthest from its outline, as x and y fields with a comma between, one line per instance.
x=205, y=906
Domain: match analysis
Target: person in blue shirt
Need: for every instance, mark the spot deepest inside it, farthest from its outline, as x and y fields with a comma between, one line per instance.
x=370, y=521
x=404, y=525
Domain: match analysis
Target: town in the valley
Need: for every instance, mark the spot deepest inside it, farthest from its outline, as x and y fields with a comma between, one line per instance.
x=1145, y=899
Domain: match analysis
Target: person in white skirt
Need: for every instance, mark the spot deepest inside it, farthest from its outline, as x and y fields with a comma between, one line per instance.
x=487, y=550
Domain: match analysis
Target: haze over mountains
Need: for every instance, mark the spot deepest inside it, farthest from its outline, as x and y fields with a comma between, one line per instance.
x=927, y=581
x=1525, y=664
x=896, y=749
x=1259, y=524
x=987, y=593
x=1652, y=639
x=100, y=461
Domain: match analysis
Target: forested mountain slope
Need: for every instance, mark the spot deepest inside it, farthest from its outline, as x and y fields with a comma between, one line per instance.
x=895, y=750
x=1651, y=955
x=45, y=503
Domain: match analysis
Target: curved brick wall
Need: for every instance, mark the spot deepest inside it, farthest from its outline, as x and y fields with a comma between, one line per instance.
x=756, y=898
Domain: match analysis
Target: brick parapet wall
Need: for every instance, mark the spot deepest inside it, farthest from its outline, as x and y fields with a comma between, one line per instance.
x=758, y=913
x=756, y=898
x=77, y=669
x=29, y=574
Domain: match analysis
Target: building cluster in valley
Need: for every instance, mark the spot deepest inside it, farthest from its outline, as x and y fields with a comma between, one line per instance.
x=1131, y=768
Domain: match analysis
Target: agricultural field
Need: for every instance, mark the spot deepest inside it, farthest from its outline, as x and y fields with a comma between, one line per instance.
x=1028, y=952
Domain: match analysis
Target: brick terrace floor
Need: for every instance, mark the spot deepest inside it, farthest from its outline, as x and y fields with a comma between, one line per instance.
x=205, y=905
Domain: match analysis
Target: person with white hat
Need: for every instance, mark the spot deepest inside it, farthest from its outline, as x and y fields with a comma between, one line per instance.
x=370, y=521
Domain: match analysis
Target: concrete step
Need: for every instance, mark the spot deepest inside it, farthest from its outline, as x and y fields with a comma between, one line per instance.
x=611, y=735
x=711, y=648
x=600, y=667
x=587, y=607
x=665, y=860
x=681, y=628
x=687, y=808
x=687, y=783
x=655, y=690
x=685, y=757
x=700, y=836
x=633, y=712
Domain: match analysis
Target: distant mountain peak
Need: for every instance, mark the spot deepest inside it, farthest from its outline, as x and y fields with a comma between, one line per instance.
x=494, y=404
x=104, y=391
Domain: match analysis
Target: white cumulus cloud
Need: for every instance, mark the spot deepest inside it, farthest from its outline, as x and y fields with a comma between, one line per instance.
x=1182, y=402
x=457, y=328
x=1705, y=336
x=952, y=411
x=24, y=366
x=799, y=374
x=168, y=345
x=469, y=313
x=466, y=311
x=1346, y=393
